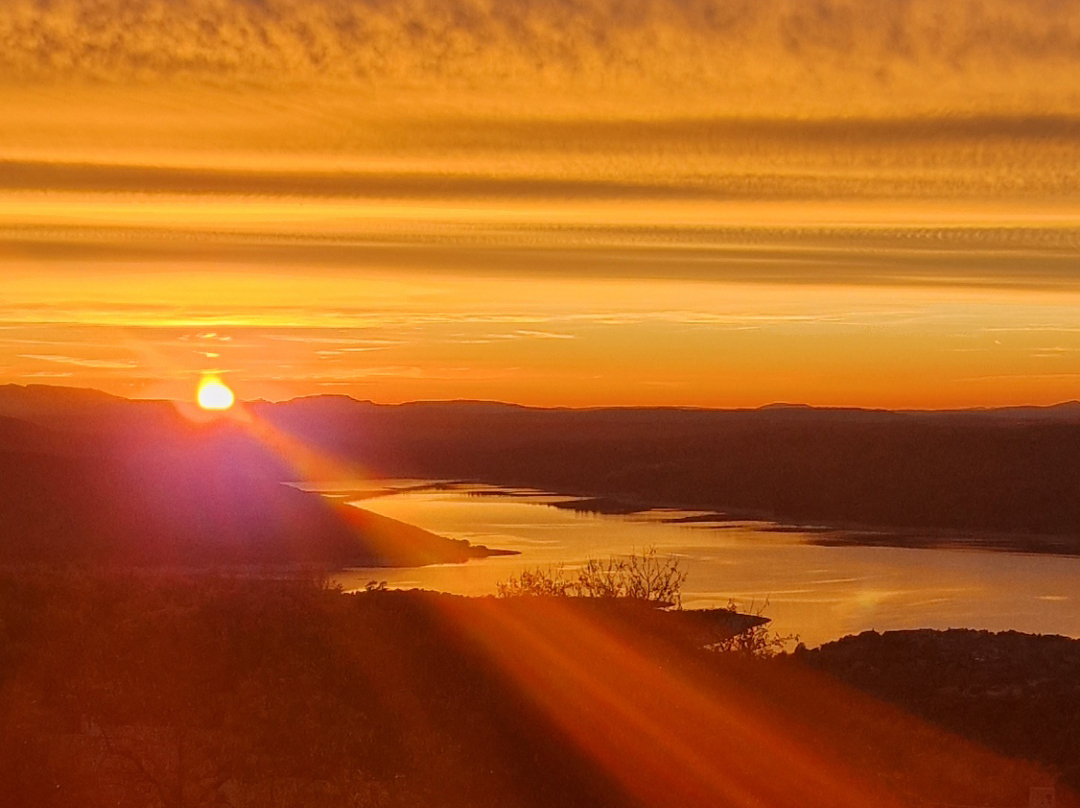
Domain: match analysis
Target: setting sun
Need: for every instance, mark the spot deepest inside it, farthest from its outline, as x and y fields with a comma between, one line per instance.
x=215, y=395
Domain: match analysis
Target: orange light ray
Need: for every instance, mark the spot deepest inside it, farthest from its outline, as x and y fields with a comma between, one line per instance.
x=672, y=732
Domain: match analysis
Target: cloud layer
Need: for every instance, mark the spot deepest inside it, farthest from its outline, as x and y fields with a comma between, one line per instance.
x=1006, y=53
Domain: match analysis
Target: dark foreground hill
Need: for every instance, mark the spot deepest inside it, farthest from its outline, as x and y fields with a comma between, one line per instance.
x=1016, y=693
x=181, y=692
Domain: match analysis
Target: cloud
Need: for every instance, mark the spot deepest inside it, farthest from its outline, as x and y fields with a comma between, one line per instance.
x=353, y=343
x=1014, y=376
x=814, y=46
x=543, y=335
x=1055, y=352
x=488, y=339
x=413, y=372
x=104, y=364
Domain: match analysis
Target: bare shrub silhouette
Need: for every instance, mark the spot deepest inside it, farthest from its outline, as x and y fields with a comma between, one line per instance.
x=646, y=576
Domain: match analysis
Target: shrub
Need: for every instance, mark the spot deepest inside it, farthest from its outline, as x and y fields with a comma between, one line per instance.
x=760, y=641
x=644, y=576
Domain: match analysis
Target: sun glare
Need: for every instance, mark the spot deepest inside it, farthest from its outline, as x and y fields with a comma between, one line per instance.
x=215, y=395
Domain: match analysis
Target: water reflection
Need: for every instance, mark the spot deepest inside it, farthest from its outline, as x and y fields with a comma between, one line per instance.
x=818, y=592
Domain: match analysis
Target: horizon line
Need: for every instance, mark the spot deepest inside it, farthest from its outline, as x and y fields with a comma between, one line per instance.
x=774, y=405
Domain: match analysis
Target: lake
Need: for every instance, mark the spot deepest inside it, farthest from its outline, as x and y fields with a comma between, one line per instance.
x=818, y=592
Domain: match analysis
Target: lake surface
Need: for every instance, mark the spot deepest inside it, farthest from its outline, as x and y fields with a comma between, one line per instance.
x=817, y=592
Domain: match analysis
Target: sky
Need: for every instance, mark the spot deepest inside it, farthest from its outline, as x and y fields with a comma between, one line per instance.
x=722, y=203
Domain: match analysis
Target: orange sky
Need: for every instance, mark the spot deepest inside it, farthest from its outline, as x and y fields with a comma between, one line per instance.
x=840, y=202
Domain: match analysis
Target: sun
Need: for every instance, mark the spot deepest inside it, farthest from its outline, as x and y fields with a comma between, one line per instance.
x=215, y=395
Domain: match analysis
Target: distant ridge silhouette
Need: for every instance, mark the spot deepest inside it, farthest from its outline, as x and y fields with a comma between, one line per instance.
x=1009, y=473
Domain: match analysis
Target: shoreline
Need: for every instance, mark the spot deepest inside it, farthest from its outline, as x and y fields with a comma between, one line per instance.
x=841, y=534
x=835, y=534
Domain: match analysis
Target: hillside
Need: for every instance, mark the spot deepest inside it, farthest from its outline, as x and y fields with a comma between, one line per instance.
x=169, y=691
x=1015, y=693
x=915, y=477
x=1012, y=472
x=161, y=492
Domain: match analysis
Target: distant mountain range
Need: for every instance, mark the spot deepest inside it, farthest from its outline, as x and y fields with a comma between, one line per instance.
x=1012, y=471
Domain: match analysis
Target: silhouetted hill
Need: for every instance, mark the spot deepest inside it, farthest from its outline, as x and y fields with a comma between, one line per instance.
x=117, y=482
x=21, y=436
x=1066, y=411
x=1012, y=471
x=1015, y=693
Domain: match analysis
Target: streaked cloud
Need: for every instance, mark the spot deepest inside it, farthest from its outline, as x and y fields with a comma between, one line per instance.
x=104, y=364
x=816, y=49
x=543, y=335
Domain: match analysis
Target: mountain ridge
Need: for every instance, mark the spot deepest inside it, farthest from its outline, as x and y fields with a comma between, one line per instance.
x=917, y=478
x=45, y=392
